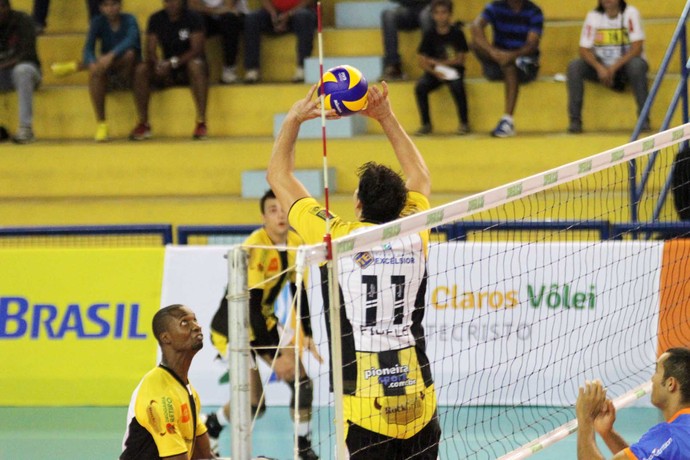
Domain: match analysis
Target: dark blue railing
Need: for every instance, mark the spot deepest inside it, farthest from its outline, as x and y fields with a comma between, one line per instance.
x=186, y=231
x=637, y=190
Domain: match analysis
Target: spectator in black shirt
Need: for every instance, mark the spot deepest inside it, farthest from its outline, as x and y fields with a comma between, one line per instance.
x=179, y=33
x=442, y=56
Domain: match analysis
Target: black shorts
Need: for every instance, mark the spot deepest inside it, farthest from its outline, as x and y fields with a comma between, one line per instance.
x=363, y=444
x=528, y=68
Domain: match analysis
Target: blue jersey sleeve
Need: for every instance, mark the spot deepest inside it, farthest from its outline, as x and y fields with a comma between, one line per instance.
x=658, y=441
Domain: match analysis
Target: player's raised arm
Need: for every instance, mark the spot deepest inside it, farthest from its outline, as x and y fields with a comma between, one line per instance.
x=281, y=166
x=410, y=159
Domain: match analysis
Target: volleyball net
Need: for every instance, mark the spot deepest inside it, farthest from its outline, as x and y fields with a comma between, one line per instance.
x=531, y=289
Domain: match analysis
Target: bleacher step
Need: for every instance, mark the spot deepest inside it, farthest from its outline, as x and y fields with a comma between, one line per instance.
x=360, y=15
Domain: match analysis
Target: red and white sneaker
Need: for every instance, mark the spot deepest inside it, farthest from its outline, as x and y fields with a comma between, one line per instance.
x=200, y=132
x=140, y=132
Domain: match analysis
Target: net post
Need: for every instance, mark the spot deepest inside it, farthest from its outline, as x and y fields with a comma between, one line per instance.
x=336, y=348
x=300, y=267
x=238, y=354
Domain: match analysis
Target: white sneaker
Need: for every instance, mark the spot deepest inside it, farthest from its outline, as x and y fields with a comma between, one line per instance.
x=298, y=77
x=251, y=76
x=229, y=75
x=505, y=128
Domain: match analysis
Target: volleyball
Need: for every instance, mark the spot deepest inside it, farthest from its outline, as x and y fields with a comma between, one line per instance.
x=345, y=90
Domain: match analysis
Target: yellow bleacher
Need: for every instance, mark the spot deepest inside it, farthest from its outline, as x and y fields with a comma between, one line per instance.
x=65, y=178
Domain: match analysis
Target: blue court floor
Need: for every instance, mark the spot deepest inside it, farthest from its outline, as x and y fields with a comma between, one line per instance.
x=96, y=433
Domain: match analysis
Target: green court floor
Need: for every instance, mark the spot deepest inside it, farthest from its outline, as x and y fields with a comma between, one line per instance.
x=95, y=433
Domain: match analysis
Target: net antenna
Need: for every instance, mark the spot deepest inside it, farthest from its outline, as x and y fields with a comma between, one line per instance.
x=334, y=298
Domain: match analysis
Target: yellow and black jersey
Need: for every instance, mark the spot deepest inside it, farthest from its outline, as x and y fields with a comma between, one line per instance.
x=266, y=277
x=386, y=373
x=163, y=418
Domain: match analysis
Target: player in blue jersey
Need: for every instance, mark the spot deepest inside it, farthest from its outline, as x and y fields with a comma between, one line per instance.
x=513, y=57
x=669, y=440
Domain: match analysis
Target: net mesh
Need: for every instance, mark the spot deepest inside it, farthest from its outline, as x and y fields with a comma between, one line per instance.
x=531, y=289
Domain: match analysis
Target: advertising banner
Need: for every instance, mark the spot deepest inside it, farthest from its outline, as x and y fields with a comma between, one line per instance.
x=505, y=323
x=75, y=324
x=514, y=324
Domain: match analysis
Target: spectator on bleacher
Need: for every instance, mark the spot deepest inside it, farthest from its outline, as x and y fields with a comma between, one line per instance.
x=612, y=53
x=279, y=17
x=224, y=18
x=179, y=33
x=442, y=57
x=20, y=68
x=514, y=55
x=407, y=15
x=120, y=53
x=40, y=13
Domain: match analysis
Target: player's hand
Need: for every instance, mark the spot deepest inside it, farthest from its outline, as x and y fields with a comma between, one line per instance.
x=603, y=422
x=590, y=400
x=310, y=345
x=378, y=105
x=309, y=108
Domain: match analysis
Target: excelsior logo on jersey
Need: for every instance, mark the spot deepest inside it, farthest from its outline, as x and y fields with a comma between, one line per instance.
x=22, y=318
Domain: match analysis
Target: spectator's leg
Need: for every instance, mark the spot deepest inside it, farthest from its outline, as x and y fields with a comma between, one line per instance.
x=254, y=23
x=25, y=78
x=490, y=68
x=511, y=83
x=125, y=65
x=198, y=81
x=426, y=84
x=40, y=13
x=578, y=71
x=92, y=8
x=230, y=26
x=303, y=23
x=457, y=89
x=636, y=71
x=142, y=90
x=98, y=80
x=393, y=19
x=426, y=21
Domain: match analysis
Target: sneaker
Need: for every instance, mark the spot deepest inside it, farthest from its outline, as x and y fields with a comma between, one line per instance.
x=102, y=133
x=505, y=128
x=25, y=135
x=229, y=75
x=424, y=130
x=64, y=69
x=214, y=428
x=140, y=132
x=304, y=449
x=200, y=131
x=575, y=126
x=298, y=77
x=251, y=76
x=463, y=129
x=392, y=72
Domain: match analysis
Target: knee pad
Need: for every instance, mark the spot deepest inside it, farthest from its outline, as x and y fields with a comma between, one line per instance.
x=259, y=410
x=306, y=394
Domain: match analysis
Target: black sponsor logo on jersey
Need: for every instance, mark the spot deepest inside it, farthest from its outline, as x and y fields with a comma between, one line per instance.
x=363, y=259
x=321, y=213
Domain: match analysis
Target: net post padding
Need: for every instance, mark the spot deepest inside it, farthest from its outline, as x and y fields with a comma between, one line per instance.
x=238, y=354
x=569, y=428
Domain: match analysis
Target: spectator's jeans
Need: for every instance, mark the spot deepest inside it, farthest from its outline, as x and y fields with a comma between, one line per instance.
x=405, y=18
x=40, y=12
x=228, y=26
x=302, y=23
x=24, y=77
x=635, y=72
x=428, y=83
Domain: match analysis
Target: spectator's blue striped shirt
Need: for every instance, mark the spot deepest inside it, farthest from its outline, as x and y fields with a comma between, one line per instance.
x=511, y=28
